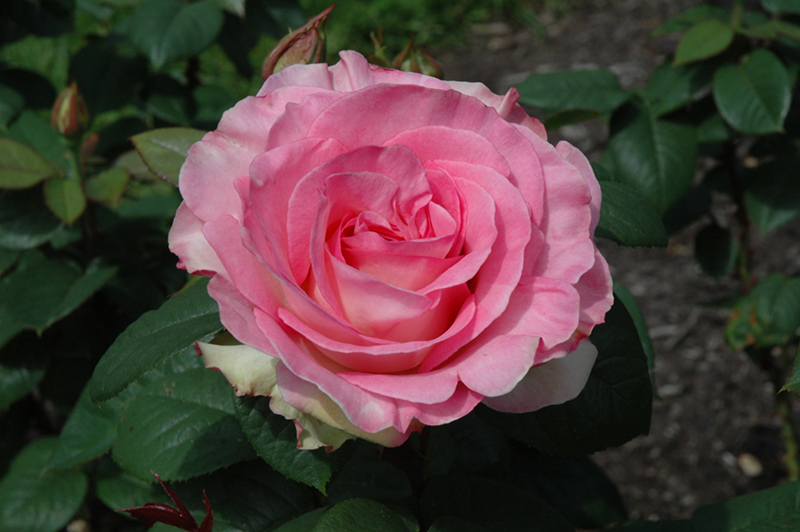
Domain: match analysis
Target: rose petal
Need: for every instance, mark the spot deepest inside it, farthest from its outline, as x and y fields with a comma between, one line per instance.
x=186, y=240
x=555, y=382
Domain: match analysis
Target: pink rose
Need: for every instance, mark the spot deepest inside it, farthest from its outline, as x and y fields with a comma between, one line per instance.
x=392, y=249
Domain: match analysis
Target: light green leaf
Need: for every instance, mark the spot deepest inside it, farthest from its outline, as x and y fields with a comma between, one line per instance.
x=34, y=501
x=170, y=30
x=157, y=336
x=655, y=156
x=275, y=440
x=48, y=56
x=705, y=39
x=691, y=17
x=21, y=166
x=181, y=426
x=594, y=90
x=754, y=96
x=35, y=131
x=65, y=198
x=107, y=186
x=164, y=150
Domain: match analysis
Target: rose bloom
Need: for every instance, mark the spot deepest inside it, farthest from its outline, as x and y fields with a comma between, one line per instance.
x=391, y=250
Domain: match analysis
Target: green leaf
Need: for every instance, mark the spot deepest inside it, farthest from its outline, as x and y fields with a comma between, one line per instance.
x=187, y=317
x=575, y=487
x=20, y=371
x=275, y=440
x=754, y=96
x=772, y=191
x=89, y=432
x=8, y=258
x=133, y=164
x=705, y=39
x=454, y=524
x=164, y=150
x=690, y=18
x=235, y=7
x=495, y=505
x=776, y=508
x=170, y=30
x=628, y=218
x=304, y=523
x=359, y=515
x=107, y=186
x=787, y=29
x=65, y=198
x=34, y=501
x=594, y=90
x=36, y=132
x=41, y=291
x=671, y=87
x=366, y=474
x=48, y=56
x=181, y=426
x=565, y=118
x=622, y=294
x=793, y=382
x=767, y=316
x=781, y=6
x=655, y=156
x=613, y=407
x=11, y=103
x=21, y=166
x=25, y=222
x=716, y=250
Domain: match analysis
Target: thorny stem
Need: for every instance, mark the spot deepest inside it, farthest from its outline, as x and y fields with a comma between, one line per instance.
x=742, y=217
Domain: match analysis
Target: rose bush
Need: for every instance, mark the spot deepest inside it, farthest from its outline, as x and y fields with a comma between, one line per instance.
x=391, y=249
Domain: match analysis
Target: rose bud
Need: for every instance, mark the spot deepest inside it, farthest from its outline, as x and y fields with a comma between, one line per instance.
x=303, y=46
x=391, y=250
x=154, y=512
x=70, y=115
x=415, y=59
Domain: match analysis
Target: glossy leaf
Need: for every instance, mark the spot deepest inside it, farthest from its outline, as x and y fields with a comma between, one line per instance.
x=366, y=474
x=781, y=6
x=41, y=291
x=34, y=501
x=181, y=426
x=776, y=508
x=304, y=523
x=164, y=150
x=671, y=87
x=21, y=166
x=170, y=30
x=628, y=218
x=232, y=6
x=772, y=191
x=716, y=250
x=25, y=222
x=11, y=103
x=186, y=318
x=754, y=96
x=613, y=408
x=691, y=17
x=37, y=133
x=624, y=296
x=767, y=316
x=359, y=515
x=89, y=432
x=705, y=39
x=65, y=198
x=655, y=156
x=107, y=186
x=20, y=371
x=595, y=90
x=498, y=506
x=275, y=440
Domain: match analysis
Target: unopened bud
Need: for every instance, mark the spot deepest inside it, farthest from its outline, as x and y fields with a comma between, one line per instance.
x=415, y=59
x=70, y=115
x=301, y=47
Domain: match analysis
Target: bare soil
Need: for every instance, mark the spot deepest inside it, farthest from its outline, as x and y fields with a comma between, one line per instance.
x=714, y=432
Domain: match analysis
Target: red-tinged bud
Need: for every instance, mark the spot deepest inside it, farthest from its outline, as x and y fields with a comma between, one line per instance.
x=69, y=115
x=88, y=147
x=301, y=47
x=415, y=59
x=153, y=512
